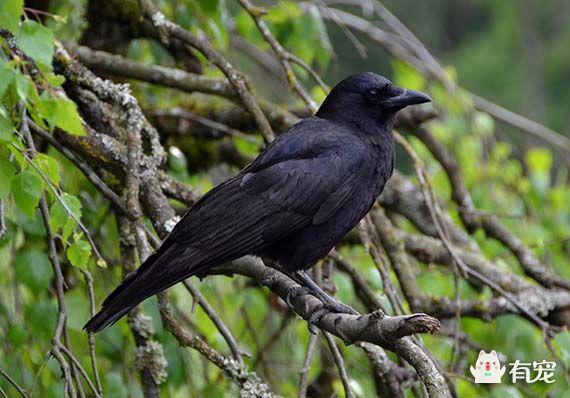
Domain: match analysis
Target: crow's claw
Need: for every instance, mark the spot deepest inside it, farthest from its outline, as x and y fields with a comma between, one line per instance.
x=296, y=291
x=337, y=306
x=316, y=316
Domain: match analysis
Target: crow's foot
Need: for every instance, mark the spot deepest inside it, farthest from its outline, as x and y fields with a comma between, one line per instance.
x=315, y=317
x=330, y=303
x=297, y=291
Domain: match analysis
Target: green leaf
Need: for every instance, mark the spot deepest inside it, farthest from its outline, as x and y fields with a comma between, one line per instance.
x=62, y=113
x=36, y=41
x=67, y=229
x=10, y=11
x=71, y=202
x=24, y=86
x=407, y=76
x=78, y=253
x=177, y=160
x=7, y=73
x=60, y=217
x=54, y=80
x=33, y=269
x=283, y=11
x=27, y=189
x=7, y=172
x=40, y=318
x=539, y=160
x=210, y=7
x=48, y=166
x=6, y=129
x=562, y=346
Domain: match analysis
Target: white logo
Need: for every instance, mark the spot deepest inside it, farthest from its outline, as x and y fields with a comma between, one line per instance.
x=488, y=368
x=544, y=371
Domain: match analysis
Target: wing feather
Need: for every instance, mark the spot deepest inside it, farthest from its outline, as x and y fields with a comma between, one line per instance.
x=289, y=186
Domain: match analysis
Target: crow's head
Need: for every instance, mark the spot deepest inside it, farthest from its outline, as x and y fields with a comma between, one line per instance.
x=367, y=99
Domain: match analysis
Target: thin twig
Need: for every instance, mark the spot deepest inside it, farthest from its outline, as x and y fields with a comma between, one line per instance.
x=389, y=288
x=183, y=114
x=61, y=325
x=91, y=338
x=20, y=390
x=237, y=373
x=215, y=318
x=3, y=228
x=238, y=81
x=339, y=364
x=304, y=372
x=424, y=182
x=361, y=288
x=402, y=46
x=473, y=220
x=37, y=376
x=283, y=55
x=81, y=370
x=81, y=165
x=63, y=204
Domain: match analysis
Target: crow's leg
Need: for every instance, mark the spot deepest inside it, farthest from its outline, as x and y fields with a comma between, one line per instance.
x=329, y=302
x=308, y=286
x=297, y=291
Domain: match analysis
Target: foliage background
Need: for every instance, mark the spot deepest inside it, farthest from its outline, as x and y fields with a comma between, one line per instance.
x=513, y=53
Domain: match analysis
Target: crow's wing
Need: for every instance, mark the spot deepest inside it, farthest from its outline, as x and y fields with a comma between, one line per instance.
x=259, y=207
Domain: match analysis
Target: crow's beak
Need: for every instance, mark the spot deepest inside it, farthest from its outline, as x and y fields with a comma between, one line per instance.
x=407, y=97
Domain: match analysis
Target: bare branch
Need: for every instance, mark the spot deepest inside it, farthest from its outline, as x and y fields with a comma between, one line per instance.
x=339, y=364
x=375, y=328
x=538, y=130
x=402, y=46
x=474, y=220
x=304, y=372
x=168, y=28
x=61, y=325
x=283, y=55
x=170, y=77
x=248, y=382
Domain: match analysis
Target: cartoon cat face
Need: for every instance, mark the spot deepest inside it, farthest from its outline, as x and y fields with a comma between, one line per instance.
x=488, y=361
x=488, y=368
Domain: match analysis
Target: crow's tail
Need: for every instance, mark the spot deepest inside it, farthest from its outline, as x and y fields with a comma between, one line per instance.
x=166, y=267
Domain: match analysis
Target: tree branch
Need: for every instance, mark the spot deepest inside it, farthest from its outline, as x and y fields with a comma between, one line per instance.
x=168, y=28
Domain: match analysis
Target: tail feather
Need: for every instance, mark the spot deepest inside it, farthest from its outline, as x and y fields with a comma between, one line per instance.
x=177, y=265
x=105, y=317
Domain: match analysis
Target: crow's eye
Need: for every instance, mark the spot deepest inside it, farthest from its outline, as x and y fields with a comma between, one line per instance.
x=372, y=94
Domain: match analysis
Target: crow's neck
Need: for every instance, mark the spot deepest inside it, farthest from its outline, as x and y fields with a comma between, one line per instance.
x=377, y=129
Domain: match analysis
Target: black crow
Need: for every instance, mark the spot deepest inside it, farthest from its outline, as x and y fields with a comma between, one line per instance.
x=292, y=204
